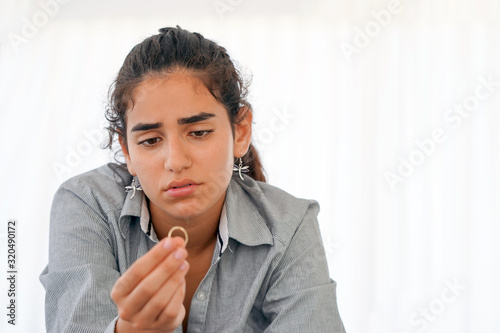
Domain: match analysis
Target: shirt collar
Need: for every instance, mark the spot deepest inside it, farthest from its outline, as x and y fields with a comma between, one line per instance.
x=245, y=224
x=145, y=221
x=223, y=235
x=240, y=219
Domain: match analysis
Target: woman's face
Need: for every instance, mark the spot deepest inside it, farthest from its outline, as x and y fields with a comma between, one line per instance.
x=181, y=147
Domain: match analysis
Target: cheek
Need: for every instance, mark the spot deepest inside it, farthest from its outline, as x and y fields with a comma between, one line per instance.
x=219, y=154
x=143, y=159
x=226, y=160
x=218, y=182
x=146, y=167
x=218, y=165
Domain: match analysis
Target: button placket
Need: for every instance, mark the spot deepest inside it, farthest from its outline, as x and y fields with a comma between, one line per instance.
x=201, y=296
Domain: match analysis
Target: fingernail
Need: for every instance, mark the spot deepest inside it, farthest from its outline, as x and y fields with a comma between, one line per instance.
x=168, y=244
x=178, y=254
x=183, y=266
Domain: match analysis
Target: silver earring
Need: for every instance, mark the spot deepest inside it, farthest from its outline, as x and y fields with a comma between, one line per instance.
x=133, y=187
x=240, y=168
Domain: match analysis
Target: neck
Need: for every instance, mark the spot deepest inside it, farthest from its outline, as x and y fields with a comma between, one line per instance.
x=202, y=229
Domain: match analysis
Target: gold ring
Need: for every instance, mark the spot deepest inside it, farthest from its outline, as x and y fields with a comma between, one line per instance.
x=186, y=238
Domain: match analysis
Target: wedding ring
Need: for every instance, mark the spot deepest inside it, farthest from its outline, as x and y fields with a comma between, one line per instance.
x=186, y=238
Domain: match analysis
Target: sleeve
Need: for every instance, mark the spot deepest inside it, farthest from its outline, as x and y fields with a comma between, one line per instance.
x=82, y=267
x=301, y=296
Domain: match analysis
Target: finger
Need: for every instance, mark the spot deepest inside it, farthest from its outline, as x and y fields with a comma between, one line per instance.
x=143, y=266
x=153, y=282
x=175, y=311
x=167, y=294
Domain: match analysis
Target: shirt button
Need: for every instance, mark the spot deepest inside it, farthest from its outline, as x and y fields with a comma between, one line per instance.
x=201, y=296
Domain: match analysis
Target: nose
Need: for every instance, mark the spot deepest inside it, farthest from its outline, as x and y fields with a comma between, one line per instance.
x=177, y=155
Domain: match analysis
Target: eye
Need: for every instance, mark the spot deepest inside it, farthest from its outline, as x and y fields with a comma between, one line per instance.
x=149, y=142
x=199, y=135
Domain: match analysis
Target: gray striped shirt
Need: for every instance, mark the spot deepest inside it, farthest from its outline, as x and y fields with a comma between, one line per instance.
x=269, y=272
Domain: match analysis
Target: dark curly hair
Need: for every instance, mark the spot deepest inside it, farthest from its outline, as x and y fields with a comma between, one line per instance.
x=176, y=49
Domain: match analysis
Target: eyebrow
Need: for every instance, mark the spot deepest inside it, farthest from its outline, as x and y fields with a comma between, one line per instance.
x=146, y=127
x=196, y=118
x=181, y=121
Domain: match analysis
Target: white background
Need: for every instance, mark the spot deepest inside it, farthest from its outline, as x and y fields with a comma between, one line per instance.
x=419, y=256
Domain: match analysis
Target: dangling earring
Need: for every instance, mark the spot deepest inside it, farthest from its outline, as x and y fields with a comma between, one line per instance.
x=240, y=168
x=133, y=187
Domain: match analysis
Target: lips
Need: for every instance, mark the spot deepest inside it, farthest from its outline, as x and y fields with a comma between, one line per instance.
x=181, y=183
x=181, y=188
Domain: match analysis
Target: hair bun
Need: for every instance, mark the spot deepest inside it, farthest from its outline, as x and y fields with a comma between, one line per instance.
x=167, y=29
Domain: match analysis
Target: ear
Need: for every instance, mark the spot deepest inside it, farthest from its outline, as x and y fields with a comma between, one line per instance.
x=243, y=133
x=123, y=144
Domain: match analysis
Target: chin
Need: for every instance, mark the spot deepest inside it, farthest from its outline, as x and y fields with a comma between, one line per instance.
x=188, y=211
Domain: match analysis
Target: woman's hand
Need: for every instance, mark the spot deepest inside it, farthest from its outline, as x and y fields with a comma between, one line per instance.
x=150, y=294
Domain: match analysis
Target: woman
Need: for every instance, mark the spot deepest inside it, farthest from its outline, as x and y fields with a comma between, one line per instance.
x=254, y=260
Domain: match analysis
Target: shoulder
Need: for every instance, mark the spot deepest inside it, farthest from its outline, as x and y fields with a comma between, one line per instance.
x=103, y=186
x=282, y=212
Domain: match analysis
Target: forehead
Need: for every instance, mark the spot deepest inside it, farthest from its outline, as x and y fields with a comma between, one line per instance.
x=174, y=95
x=169, y=86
